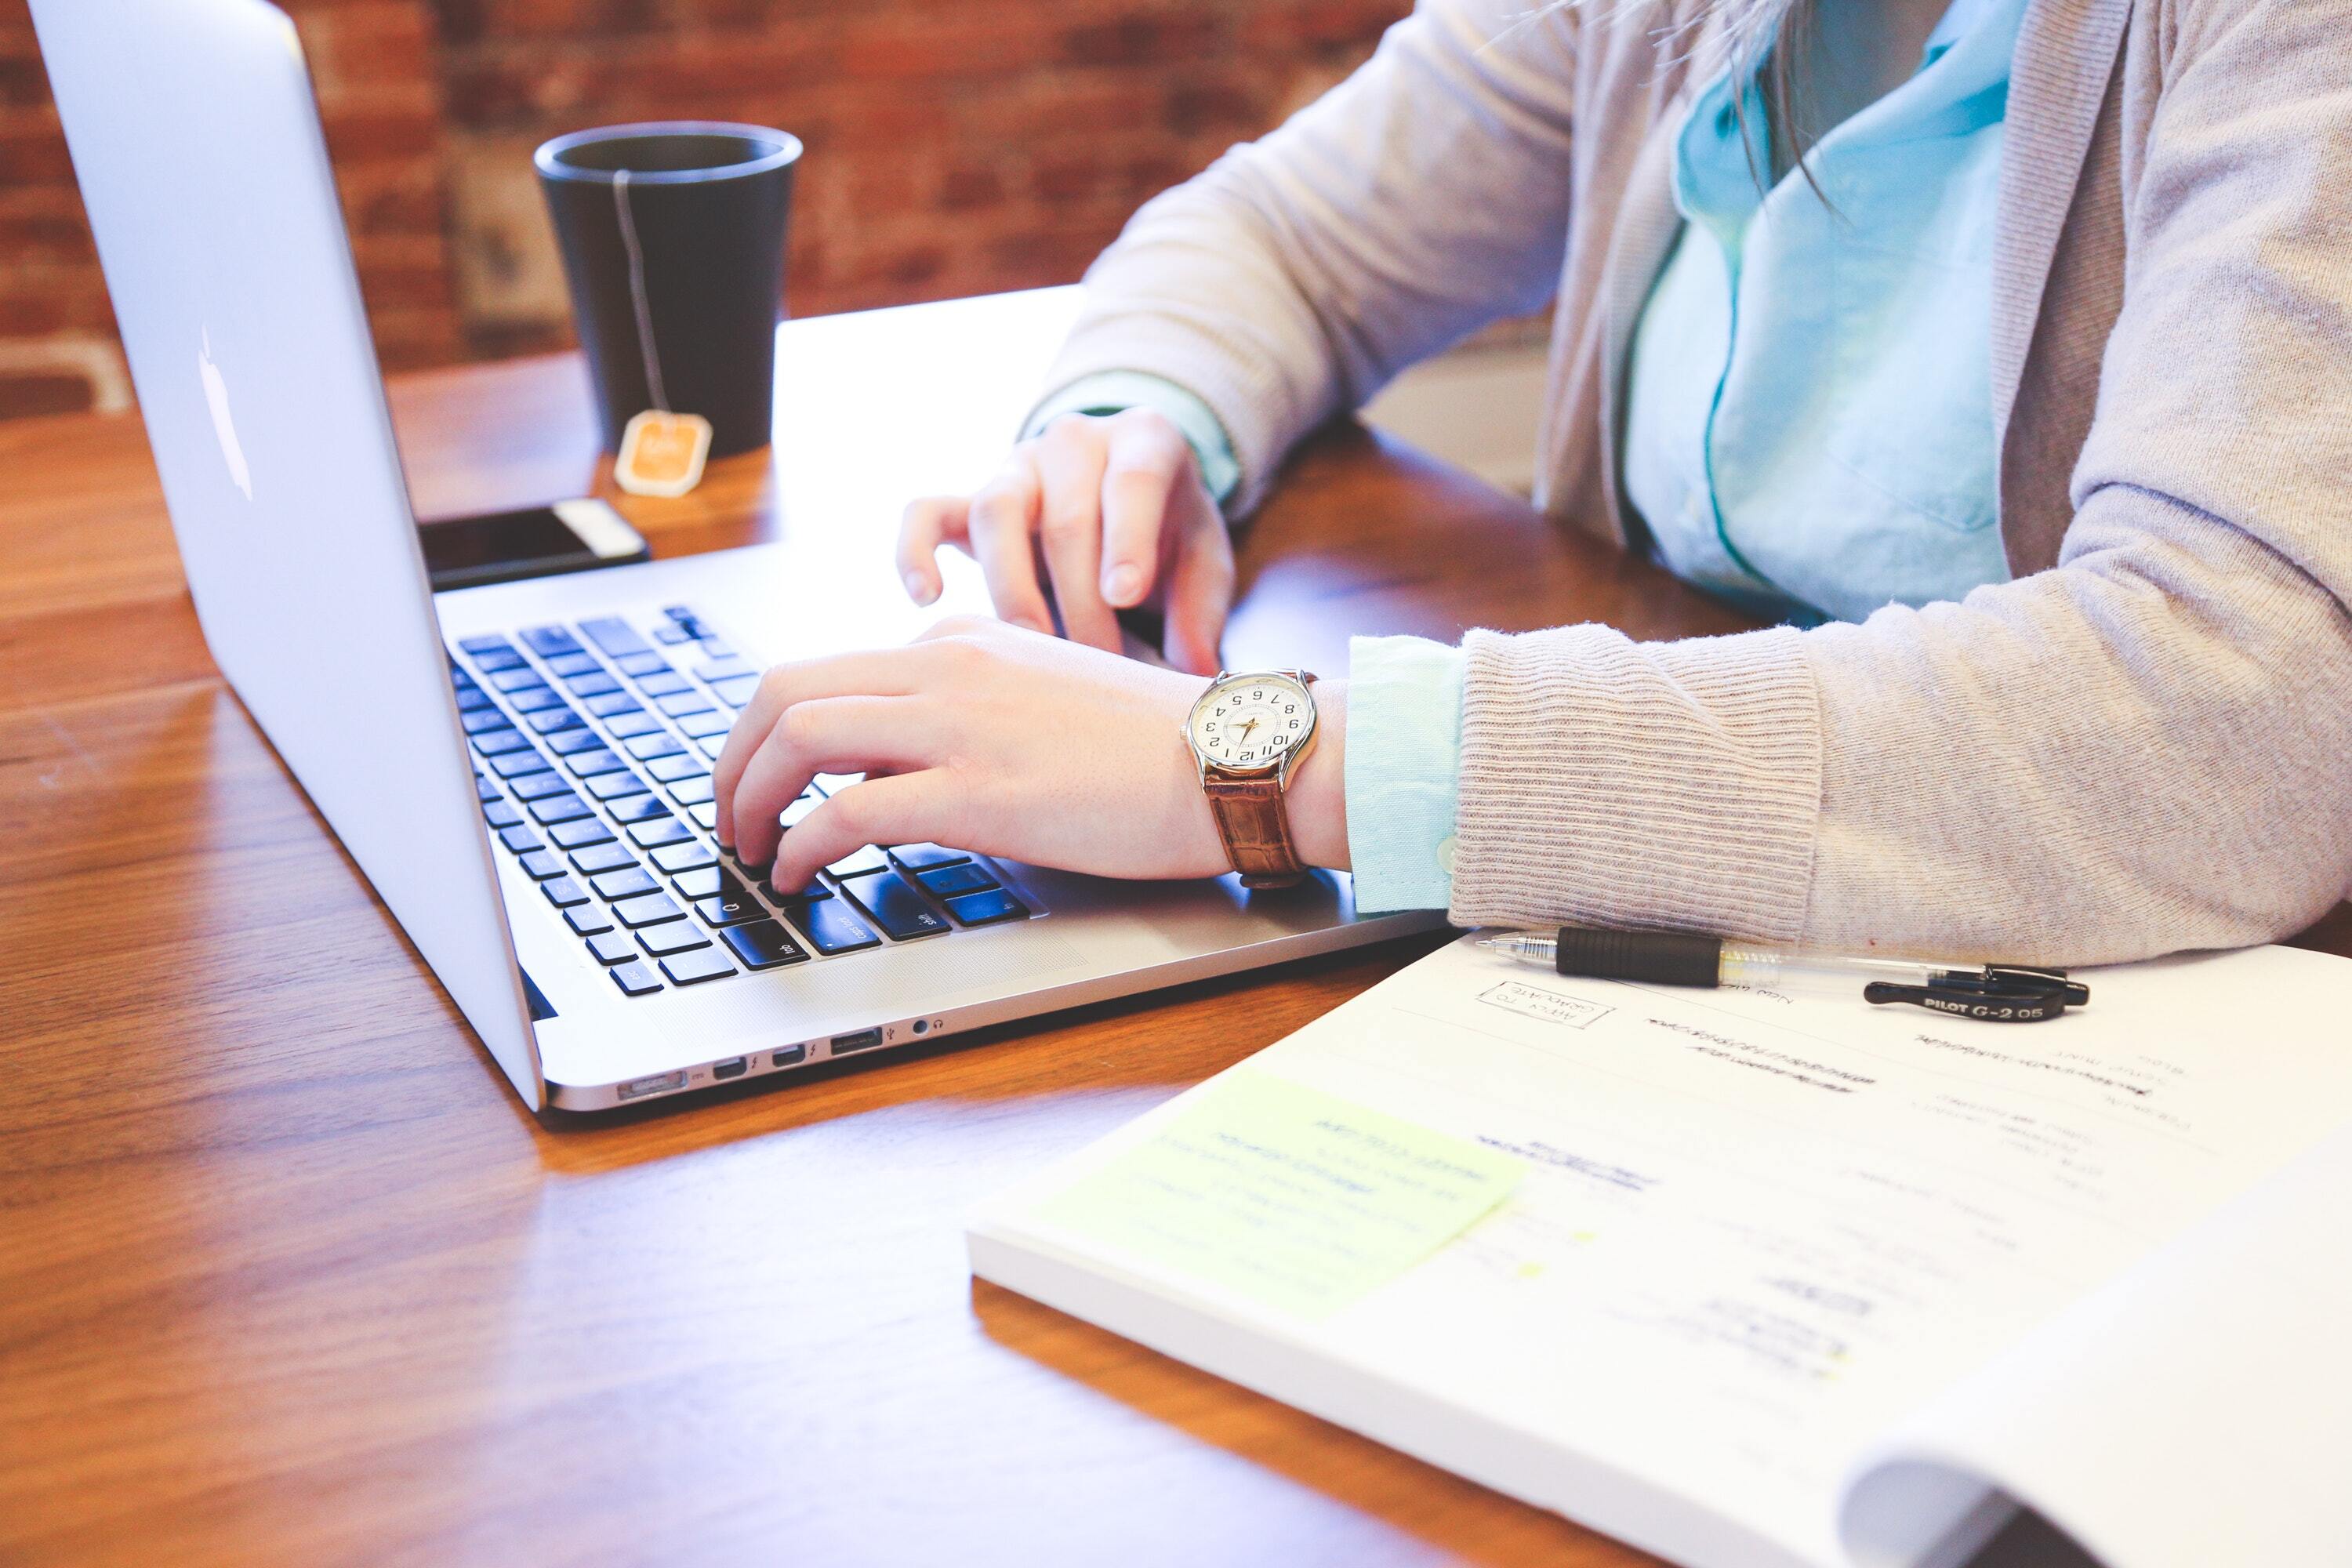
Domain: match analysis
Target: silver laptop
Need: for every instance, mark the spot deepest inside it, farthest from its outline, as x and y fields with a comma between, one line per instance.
x=522, y=770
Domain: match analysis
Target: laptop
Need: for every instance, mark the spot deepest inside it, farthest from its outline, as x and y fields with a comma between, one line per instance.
x=522, y=771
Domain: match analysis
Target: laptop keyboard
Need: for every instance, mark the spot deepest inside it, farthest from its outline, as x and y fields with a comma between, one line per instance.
x=592, y=744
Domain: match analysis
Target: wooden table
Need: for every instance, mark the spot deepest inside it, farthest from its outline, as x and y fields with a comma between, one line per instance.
x=286, y=1275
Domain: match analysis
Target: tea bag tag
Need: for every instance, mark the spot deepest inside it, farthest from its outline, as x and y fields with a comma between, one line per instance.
x=662, y=454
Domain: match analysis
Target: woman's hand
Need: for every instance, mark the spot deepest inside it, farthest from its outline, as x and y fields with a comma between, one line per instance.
x=1003, y=743
x=1115, y=509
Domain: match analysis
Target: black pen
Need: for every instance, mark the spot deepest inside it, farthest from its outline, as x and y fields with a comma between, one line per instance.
x=1997, y=993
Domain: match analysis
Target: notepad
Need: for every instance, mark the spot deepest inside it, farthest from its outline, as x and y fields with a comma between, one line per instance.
x=1754, y=1279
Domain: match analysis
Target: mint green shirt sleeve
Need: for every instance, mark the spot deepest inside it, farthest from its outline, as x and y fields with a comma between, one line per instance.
x=1116, y=391
x=1404, y=761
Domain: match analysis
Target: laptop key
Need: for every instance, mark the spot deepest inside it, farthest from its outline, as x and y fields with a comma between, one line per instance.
x=633, y=979
x=483, y=718
x=631, y=882
x=628, y=726
x=612, y=786
x=598, y=859
x=685, y=856
x=694, y=968
x=830, y=927
x=669, y=770
x=511, y=765
x=522, y=840
x=484, y=790
x=987, y=909
x=548, y=721
x=539, y=785
x=897, y=908
x=709, y=722
x=486, y=643
x=563, y=893
x=636, y=808
x=703, y=881
x=581, y=834
x=595, y=683
x=662, y=683
x=764, y=944
x=588, y=764
x=497, y=661
x=500, y=813
x=613, y=637
x=654, y=834
x=949, y=881
x=495, y=742
x=705, y=816
x=651, y=910
x=533, y=700
x=472, y=699
x=645, y=663
x=676, y=936
x=515, y=676
x=691, y=792
x=573, y=741
x=573, y=664
x=718, y=912
x=611, y=947
x=727, y=669
x=541, y=865
x=549, y=642
x=611, y=704
x=736, y=691
x=859, y=863
x=923, y=857
x=659, y=744
x=589, y=919
x=558, y=809
x=672, y=634
x=679, y=704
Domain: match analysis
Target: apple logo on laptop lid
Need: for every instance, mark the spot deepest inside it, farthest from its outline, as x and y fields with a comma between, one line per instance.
x=217, y=399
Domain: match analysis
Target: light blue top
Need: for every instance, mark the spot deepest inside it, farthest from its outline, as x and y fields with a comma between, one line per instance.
x=1808, y=425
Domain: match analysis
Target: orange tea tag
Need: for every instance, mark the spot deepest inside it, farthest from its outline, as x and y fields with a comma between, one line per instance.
x=662, y=454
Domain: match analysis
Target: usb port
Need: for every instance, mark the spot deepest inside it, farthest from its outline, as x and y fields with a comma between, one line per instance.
x=865, y=1039
x=725, y=1070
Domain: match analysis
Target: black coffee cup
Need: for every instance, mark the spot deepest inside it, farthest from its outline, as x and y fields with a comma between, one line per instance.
x=673, y=239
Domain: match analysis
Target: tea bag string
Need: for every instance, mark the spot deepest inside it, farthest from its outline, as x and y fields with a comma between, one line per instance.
x=637, y=291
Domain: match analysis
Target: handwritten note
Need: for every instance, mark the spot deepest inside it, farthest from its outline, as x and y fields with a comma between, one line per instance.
x=1286, y=1194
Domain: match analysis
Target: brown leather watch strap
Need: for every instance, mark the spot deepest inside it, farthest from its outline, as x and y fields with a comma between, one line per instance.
x=1257, y=830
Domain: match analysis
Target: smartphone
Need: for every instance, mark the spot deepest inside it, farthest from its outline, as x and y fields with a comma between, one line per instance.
x=537, y=542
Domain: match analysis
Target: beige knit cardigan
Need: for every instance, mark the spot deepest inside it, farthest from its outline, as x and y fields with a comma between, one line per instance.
x=2141, y=743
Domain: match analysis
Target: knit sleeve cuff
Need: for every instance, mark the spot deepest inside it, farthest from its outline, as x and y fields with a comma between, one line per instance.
x=1644, y=785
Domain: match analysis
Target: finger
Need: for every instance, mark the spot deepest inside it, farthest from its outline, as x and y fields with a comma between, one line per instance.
x=1144, y=461
x=928, y=523
x=1200, y=595
x=833, y=735
x=904, y=808
x=1069, y=529
x=885, y=672
x=1002, y=520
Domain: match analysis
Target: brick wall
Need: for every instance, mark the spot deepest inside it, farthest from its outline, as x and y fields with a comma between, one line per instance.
x=955, y=146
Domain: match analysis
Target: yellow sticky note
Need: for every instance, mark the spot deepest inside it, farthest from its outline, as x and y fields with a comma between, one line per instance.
x=1286, y=1194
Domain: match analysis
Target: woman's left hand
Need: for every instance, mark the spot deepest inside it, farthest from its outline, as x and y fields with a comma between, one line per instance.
x=1001, y=742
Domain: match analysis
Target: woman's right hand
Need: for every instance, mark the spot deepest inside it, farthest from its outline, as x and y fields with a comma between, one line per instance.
x=1107, y=513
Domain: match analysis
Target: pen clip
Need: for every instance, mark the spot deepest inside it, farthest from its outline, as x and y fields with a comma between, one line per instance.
x=1996, y=993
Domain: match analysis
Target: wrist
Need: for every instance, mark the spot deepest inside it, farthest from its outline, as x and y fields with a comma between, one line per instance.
x=1316, y=800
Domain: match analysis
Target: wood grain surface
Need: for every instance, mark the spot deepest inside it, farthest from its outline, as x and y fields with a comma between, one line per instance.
x=286, y=1275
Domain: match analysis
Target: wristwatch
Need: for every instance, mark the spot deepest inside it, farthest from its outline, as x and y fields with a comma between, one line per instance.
x=1249, y=733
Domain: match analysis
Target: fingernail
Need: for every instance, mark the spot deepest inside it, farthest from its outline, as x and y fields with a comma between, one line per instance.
x=1123, y=584
x=918, y=588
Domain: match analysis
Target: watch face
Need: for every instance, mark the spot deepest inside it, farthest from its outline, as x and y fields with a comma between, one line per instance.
x=1252, y=720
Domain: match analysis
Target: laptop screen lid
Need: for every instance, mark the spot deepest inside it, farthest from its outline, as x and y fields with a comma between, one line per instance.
x=196, y=139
